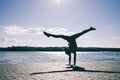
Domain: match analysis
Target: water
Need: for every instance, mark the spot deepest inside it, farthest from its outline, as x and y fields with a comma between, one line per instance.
x=30, y=57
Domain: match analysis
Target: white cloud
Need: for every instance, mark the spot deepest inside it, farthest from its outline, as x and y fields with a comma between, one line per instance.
x=116, y=38
x=7, y=41
x=57, y=30
x=18, y=30
x=2, y=39
x=85, y=37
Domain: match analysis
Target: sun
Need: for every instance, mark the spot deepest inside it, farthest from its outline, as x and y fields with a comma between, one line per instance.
x=59, y=1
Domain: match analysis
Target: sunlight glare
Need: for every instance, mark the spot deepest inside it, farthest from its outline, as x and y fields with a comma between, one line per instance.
x=59, y=1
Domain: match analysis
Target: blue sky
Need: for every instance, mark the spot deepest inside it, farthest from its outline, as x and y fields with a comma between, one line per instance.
x=23, y=21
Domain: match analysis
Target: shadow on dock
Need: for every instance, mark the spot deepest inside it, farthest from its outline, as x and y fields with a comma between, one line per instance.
x=76, y=68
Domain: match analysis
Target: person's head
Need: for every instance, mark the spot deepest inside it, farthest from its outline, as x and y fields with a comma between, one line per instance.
x=67, y=51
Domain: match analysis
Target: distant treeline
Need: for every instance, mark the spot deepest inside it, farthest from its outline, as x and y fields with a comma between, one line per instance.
x=27, y=48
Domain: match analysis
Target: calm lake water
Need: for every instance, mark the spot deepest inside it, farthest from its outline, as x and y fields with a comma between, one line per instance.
x=30, y=57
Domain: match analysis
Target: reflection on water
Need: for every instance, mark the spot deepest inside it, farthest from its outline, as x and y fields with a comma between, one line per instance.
x=29, y=57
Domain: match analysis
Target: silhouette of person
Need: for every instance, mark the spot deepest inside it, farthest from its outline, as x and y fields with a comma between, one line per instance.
x=71, y=42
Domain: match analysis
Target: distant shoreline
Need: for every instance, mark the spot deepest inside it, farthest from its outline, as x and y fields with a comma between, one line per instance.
x=28, y=48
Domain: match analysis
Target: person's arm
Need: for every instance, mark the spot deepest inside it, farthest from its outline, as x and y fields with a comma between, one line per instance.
x=56, y=36
x=83, y=32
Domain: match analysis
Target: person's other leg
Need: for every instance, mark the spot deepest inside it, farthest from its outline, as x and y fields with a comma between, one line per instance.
x=70, y=59
x=75, y=36
x=74, y=58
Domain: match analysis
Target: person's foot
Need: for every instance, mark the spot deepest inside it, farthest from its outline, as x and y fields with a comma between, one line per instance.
x=47, y=34
x=74, y=65
x=92, y=28
x=69, y=66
